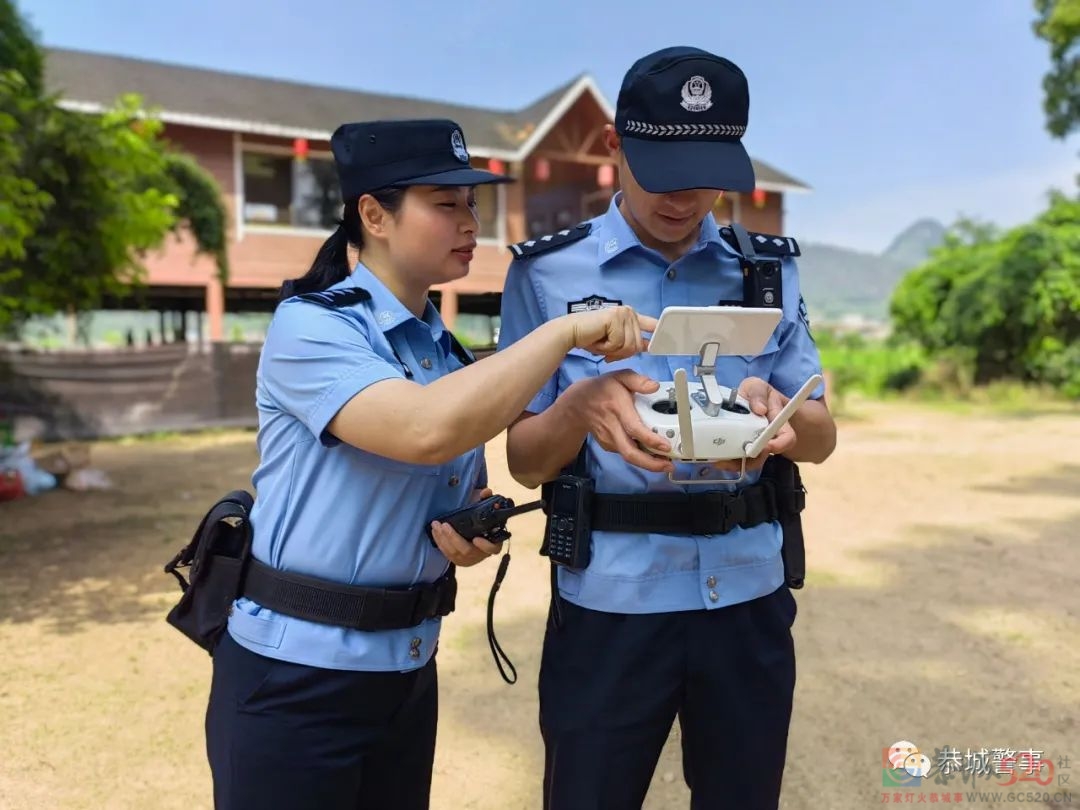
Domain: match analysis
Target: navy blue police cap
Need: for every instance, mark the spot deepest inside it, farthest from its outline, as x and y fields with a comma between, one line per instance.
x=371, y=155
x=681, y=116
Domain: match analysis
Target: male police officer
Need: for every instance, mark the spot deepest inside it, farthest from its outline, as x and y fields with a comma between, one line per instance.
x=685, y=613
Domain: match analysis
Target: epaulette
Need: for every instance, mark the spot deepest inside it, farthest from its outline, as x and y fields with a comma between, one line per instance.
x=534, y=247
x=766, y=243
x=333, y=299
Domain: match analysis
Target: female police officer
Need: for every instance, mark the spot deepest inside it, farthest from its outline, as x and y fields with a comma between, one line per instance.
x=372, y=422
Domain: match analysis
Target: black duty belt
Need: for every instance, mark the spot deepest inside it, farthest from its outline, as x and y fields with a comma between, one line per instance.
x=712, y=512
x=352, y=606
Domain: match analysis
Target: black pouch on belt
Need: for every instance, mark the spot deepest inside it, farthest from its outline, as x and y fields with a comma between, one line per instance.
x=790, y=502
x=217, y=556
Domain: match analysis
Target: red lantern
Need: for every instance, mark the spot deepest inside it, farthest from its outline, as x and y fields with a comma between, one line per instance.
x=496, y=166
x=758, y=197
x=542, y=170
x=605, y=175
x=300, y=148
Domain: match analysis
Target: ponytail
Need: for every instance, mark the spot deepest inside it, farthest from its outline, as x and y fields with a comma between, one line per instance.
x=331, y=264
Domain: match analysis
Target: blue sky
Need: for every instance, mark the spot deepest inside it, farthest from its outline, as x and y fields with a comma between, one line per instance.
x=890, y=111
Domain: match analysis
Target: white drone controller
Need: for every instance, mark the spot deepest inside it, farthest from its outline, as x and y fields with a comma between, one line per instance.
x=705, y=421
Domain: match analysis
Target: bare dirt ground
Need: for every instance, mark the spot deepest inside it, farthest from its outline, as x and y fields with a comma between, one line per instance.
x=942, y=607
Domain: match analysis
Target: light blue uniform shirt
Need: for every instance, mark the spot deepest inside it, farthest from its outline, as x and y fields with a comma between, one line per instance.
x=329, y=510
x=654, y=573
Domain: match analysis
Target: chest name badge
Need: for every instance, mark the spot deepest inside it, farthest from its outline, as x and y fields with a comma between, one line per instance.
x=591, y=303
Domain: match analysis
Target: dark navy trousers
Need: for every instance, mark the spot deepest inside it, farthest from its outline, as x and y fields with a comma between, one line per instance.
x=611, y=686
x=284, y=736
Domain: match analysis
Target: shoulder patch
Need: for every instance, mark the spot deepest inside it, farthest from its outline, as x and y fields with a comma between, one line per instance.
x=333, y=299
x=766, y=243
x=542, y=244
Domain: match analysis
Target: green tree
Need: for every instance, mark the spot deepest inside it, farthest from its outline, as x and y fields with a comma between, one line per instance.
x=923, y=294
x=19, y=50
x=22, y=203
x=1059, y=24
x=199, y=208
x=1010, y=302
x=83, y=198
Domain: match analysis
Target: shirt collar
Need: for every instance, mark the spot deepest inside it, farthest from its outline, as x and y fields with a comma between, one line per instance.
x=388, y=312
x=616, y=235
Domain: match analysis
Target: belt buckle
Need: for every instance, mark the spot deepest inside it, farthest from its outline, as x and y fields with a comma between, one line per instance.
x=703, y=507
x=425, y=605
x=730, y=508
x=733, y=512
x=436, y=599
x=447, y=600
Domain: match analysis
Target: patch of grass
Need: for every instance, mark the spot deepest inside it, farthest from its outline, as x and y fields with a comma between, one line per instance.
x=161, y=436
x=861, y=369
x=999, y=399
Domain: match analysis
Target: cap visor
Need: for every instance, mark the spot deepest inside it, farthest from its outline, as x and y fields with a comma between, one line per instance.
x=457, y=177
x=663, y=166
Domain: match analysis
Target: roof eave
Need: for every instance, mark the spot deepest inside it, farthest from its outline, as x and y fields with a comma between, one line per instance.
x=256, y=127
x=583, y=85
x=789, y=188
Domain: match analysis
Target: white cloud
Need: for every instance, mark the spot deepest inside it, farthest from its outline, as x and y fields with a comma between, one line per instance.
x=1009, y=197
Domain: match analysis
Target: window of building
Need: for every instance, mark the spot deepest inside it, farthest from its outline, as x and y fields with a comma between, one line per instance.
x=316, y=198
x=282, y=190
